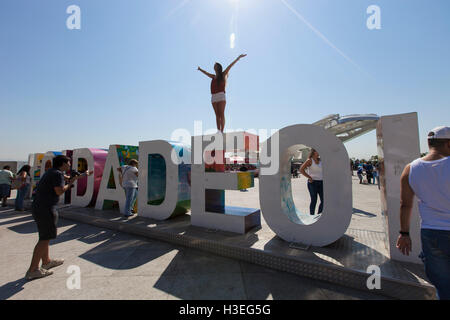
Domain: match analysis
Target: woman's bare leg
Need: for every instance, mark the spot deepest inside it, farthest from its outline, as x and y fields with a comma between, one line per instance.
x=215, y=106
x=221, y=111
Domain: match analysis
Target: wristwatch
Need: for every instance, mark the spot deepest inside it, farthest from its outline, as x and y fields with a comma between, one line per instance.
x=404, y=233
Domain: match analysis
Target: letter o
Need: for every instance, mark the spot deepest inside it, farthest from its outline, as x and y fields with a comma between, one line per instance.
x=277, y=206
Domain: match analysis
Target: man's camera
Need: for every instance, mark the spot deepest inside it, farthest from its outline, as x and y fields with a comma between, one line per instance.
x=74, y=173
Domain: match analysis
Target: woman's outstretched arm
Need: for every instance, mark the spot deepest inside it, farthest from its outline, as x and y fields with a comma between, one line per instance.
x=233, y=63
x=206, y=73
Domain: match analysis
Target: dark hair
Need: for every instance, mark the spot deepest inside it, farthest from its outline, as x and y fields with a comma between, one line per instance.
x=436, y=143
x=26, y=168
x=311, y=153
x=58, y=161
x=133, y=162
x=6, y=167
x=220, y=76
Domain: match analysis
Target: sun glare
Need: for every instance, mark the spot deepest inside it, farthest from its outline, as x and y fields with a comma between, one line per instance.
x=232, y=40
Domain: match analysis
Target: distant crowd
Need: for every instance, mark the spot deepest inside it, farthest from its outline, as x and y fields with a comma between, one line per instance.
x=367, y=171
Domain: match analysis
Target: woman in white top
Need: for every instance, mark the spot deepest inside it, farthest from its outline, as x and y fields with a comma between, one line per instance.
x=315, y=179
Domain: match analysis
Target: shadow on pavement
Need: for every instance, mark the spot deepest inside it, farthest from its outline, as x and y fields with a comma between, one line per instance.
x=115, y=253
x=30, y=227
x=363, y=213
x=11, y=288
x=84, y=233
x=21, y=219
x=112, y=252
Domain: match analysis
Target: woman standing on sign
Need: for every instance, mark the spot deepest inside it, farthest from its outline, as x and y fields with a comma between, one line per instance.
x=218, y=84
x=315, y=179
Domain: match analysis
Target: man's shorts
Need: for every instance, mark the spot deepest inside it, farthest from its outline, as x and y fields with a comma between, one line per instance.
x=46, y=219
x=5, y=190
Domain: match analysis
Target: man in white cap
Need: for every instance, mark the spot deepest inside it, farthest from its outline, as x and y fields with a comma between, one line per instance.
x=429, y=179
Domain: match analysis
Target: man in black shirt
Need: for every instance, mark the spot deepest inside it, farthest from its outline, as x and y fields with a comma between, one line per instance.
x=50, y=187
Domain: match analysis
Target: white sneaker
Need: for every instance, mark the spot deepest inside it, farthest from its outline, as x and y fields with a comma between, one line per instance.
x=53, y=263
x=39, y=273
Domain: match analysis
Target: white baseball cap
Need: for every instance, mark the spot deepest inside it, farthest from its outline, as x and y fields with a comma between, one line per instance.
x=442, y=132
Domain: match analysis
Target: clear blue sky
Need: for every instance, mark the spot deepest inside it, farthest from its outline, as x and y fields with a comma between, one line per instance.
x=130, y=75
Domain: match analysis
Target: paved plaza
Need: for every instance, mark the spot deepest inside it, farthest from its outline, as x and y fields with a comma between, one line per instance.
x=116, y=265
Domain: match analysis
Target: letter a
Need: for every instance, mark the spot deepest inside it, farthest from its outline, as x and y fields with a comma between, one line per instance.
x=374, y=281
x=74, y=20
x=374, y=21
x=74, y=281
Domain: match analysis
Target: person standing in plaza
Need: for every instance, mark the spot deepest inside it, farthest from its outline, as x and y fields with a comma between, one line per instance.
x=369, y=172
x=25, y=177
x=129, y=174
x=315, y=180
x=428, y=178
x=6, y=177
x=376, y=174
x=360, y=174
x=51, y=186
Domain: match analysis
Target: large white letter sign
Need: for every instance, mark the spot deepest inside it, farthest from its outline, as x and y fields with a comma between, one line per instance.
x=86, y=188
x=275, y=194
x=111, y=191
x=164, y=186
x=398, y=145
x=208, y=210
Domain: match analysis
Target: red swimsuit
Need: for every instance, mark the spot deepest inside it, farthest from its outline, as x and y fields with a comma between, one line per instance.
x=217, y=87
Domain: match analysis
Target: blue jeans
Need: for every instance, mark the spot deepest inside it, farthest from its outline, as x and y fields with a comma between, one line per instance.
x=436, y=258
x=131, y=194
x=21, y=193
x=375, y=177
x=315, y=188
